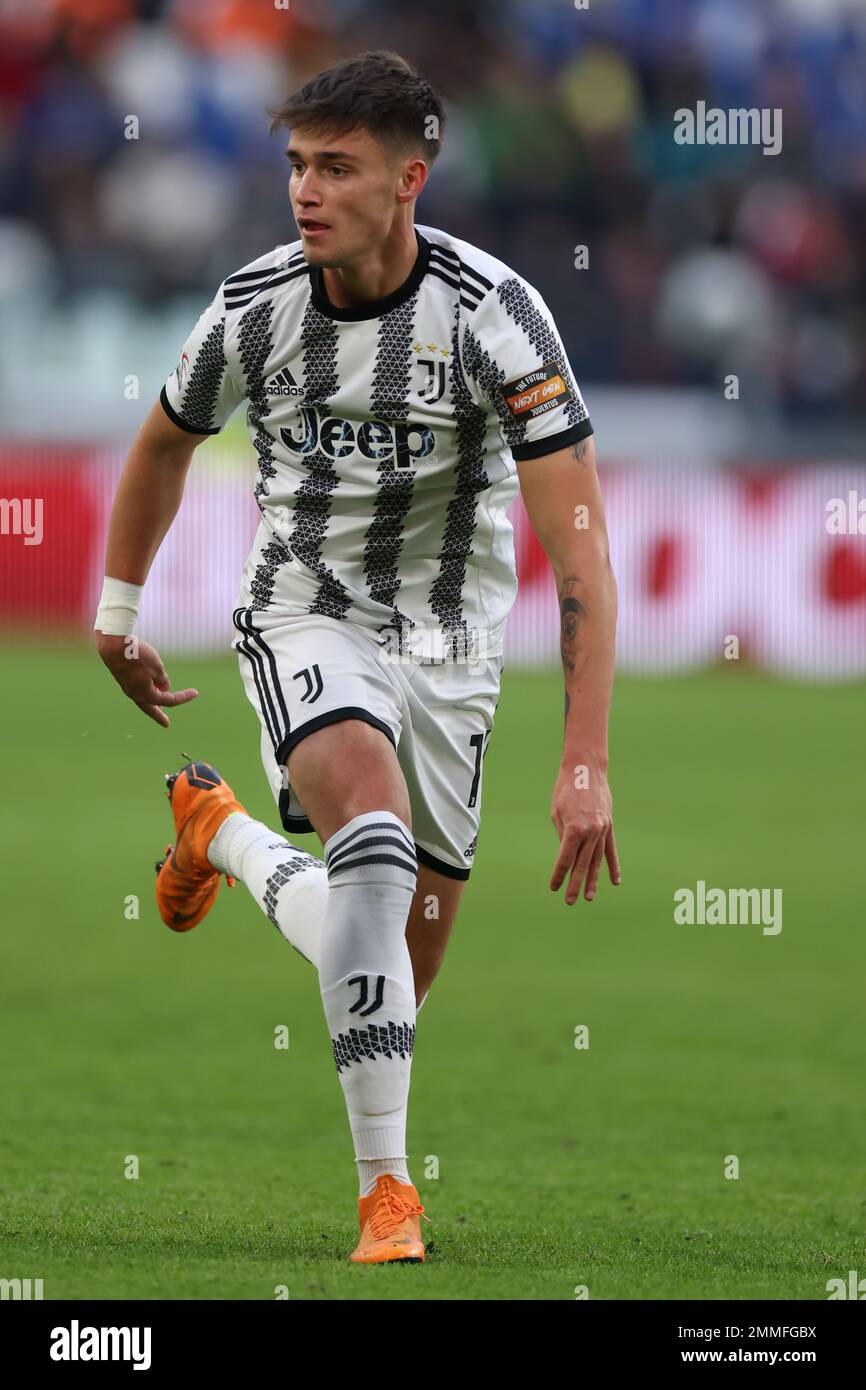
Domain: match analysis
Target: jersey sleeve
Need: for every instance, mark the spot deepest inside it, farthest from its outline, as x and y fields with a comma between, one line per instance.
x=201, y=392
x=516, y=367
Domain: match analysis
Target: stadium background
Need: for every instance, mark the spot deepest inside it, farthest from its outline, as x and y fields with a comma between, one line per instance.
x=737, y=765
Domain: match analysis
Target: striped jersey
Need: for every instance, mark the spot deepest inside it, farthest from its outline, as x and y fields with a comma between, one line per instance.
x=386, y=437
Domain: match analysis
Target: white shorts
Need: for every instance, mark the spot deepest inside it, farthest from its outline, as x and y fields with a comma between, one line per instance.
x=302, y=673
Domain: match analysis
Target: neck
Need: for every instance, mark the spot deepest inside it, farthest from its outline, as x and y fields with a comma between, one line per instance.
x=383, y=269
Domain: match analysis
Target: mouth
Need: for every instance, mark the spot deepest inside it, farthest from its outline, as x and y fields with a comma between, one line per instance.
x=310, y=228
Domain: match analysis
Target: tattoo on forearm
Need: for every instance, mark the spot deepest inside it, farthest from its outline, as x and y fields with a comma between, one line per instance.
x=572, y=615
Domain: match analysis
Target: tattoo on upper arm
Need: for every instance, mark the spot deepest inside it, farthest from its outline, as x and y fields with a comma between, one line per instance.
x=581, y=449
x=572, y=614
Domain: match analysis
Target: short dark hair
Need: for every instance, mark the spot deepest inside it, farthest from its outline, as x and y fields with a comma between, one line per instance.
x=379, y=91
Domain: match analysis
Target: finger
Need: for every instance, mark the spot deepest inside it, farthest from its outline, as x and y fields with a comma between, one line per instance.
x=155, y=713
x=564, y=860
x=612, y=858
x=594, y=868
x=581, y=864
x=170, y=698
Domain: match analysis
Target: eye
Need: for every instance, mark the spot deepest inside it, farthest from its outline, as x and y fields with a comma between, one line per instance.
x=338, y=169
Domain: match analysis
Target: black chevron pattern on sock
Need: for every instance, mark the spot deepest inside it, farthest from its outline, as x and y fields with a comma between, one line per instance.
x=282, y=875
x=376, y=1040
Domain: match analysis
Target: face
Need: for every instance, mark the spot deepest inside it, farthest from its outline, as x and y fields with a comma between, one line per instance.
x=346, y=191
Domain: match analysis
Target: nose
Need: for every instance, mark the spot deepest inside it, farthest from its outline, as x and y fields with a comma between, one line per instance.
x=306, y=192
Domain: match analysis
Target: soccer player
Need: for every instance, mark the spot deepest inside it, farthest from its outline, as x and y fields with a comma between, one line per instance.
x=401, y=385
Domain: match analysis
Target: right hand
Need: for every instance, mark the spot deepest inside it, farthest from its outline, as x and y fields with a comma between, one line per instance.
x=137, y=667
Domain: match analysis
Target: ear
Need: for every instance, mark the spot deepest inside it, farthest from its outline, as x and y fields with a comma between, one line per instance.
x=412, y=180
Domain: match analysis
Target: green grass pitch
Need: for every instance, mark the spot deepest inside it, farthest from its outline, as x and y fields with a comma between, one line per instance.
x=557, y=1167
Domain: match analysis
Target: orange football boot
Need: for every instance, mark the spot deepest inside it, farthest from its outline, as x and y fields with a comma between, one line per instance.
x=390, y=1224
x=186, y=881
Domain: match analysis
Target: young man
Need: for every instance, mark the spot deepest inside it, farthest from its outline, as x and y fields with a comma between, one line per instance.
x=401, y=386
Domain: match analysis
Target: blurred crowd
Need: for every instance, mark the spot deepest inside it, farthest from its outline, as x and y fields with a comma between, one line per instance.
x=136, y=171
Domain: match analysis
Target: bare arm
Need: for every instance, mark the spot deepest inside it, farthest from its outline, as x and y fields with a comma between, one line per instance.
x=145, y=504
x=563, y=501
x=148, y=495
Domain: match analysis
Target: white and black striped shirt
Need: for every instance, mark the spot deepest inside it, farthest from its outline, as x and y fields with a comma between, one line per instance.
x=385, y=436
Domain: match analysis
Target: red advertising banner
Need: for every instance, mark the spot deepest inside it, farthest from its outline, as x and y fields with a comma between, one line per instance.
x=711, y=565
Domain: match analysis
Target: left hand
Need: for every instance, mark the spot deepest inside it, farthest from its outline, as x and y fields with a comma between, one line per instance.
x=584, y=823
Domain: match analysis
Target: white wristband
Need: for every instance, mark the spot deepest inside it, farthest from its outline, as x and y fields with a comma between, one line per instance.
x=118, y=607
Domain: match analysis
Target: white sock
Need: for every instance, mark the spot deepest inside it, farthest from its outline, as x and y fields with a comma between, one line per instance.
x=289, y=885
x=369, y=1169
x=365, y=976
x=294, y=899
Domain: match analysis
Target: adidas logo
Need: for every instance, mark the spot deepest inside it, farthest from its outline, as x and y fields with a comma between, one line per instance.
x=283, y=384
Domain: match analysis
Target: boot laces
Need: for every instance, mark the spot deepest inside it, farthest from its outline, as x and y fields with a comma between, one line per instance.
x=390, y=1211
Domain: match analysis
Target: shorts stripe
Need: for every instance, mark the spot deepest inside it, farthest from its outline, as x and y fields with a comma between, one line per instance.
x=258, y=638
x=276, y=730
x=255, y=660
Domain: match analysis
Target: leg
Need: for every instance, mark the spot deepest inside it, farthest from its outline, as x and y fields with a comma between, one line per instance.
x=344, y=770
x=332, y=714
x=289, y=885
x=348, y=778
x=431, y=918
x=291, y=888
x=375, y=782
x=441, y=752
x=447, y=718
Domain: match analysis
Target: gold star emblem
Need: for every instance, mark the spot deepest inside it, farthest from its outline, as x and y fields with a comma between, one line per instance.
x=431, y=347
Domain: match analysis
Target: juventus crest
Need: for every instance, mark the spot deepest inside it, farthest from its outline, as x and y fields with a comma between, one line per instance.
x=434, y=381
x=434, y=368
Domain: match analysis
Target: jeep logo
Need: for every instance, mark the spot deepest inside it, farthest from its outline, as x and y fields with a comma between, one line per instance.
x=374, y=439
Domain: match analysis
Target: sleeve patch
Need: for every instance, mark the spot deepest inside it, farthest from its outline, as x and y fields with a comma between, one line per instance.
x=537, y=392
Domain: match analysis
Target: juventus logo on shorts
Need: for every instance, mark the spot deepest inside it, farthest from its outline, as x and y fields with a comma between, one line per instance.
x=313, y=677
x=434, y=384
